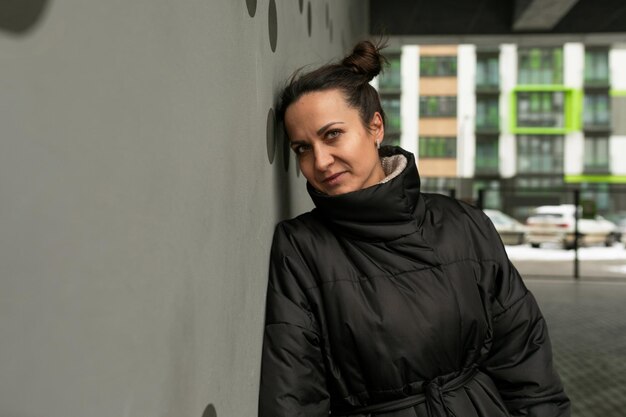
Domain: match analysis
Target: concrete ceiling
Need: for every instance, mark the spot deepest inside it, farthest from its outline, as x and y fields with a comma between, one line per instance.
x=540, y=14
x=496, y=17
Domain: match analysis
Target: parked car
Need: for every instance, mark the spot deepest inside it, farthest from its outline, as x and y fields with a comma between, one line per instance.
x=510, y=230
x=556, y=224
x=619, y=219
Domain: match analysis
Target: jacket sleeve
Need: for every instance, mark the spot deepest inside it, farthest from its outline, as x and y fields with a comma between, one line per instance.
x=520, y=359
x=292, y=369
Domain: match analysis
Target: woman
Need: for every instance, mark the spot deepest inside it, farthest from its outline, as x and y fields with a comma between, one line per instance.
x=385, y=301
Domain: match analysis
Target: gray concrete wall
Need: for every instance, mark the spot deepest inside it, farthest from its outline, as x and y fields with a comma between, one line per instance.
x=137, y=197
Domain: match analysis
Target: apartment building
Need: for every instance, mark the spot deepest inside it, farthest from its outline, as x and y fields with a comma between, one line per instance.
x=526, y=124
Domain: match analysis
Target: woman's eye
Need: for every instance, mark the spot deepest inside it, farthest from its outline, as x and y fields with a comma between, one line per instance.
x=332, y=134
x=300, y=149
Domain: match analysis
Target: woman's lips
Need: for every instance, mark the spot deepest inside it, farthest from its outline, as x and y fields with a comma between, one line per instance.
x=333, y=179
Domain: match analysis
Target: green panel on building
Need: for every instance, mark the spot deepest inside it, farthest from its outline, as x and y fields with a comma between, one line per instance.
x=607, y=179
x=545, y=110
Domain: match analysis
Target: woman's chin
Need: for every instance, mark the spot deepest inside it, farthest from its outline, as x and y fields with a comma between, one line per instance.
x=339, y=189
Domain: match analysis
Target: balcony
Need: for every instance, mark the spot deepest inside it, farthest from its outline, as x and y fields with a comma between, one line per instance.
x=597, y=169
x=597, y=83
x=487, y=88
x=490, y=170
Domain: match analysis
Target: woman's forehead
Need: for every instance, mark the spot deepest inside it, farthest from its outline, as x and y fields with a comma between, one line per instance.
x=319, y=104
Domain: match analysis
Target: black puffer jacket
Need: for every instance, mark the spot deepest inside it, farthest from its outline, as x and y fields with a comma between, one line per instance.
x=390, y=302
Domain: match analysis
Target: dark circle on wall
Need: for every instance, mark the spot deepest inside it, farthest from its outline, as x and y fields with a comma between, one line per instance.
x=251, y=7
x=272, y=22
x=327, y=16
x=301, y=3
x=270, y=132
x=309, y=21
x=331, y=30
x=19, y=16
x=209, y=411
x=286, y=151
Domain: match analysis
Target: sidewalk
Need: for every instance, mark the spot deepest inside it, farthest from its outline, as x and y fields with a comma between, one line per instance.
x=595, y=263
x=587, y=323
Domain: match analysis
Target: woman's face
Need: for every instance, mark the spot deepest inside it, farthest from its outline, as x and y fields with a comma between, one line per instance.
x=336, y=153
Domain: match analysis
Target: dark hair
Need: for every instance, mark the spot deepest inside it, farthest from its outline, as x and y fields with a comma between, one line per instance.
x=351, y=76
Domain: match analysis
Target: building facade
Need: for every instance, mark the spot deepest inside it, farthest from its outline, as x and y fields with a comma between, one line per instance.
x=514, y=126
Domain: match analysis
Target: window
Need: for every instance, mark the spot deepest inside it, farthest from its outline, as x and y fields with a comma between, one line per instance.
x=596, y=110
x=487, y=115
x=390, y=79
x=540, y=66
x=391, y=106
x=540, y=109
x=440, y=185
x=438, y=66
x=487, y=155
x=437, y=106
x=538, y=182
x=598, y=193
x=491, y=193
x=487, y=71
x=596, y=154
x=539, y=154
x=596, y=66
x=437, y=147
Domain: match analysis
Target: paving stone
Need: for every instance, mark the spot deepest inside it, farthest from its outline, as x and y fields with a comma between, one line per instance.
x=587, y=324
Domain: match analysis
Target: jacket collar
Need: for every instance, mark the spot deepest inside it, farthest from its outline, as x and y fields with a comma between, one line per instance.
x=381, y=212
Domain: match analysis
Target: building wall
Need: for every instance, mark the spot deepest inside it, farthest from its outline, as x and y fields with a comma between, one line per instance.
x=618, y=110
x=438, y=50
x=140, y=180
x=409, y=106
x=438, y=86
x=573, y=66
x=617, y=150
x=438, y=167
x=617, y=63
x=617, y=144
x=508, y=80
x=438, y=126
x=574, y=153
x=466, y=111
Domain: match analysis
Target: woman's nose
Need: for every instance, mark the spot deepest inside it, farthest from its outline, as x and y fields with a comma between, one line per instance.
x=323, y=158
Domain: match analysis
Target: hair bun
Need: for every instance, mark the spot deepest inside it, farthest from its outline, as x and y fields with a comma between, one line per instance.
x=365, y=59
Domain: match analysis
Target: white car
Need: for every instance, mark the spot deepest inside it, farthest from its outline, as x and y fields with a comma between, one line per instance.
x=620, y=225
x=510, y=230
x=556, y=224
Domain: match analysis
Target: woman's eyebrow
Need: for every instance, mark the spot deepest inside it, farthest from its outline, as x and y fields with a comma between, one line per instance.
x=326, y=126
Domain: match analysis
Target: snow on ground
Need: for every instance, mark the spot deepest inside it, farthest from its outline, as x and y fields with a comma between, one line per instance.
x=620, y=269
x=554, y=253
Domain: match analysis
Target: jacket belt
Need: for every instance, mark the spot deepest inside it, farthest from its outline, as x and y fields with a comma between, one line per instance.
x=385, y=407
x=432, y=393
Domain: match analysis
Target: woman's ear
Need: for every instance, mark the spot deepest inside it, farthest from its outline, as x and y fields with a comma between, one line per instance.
x=377, y=127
